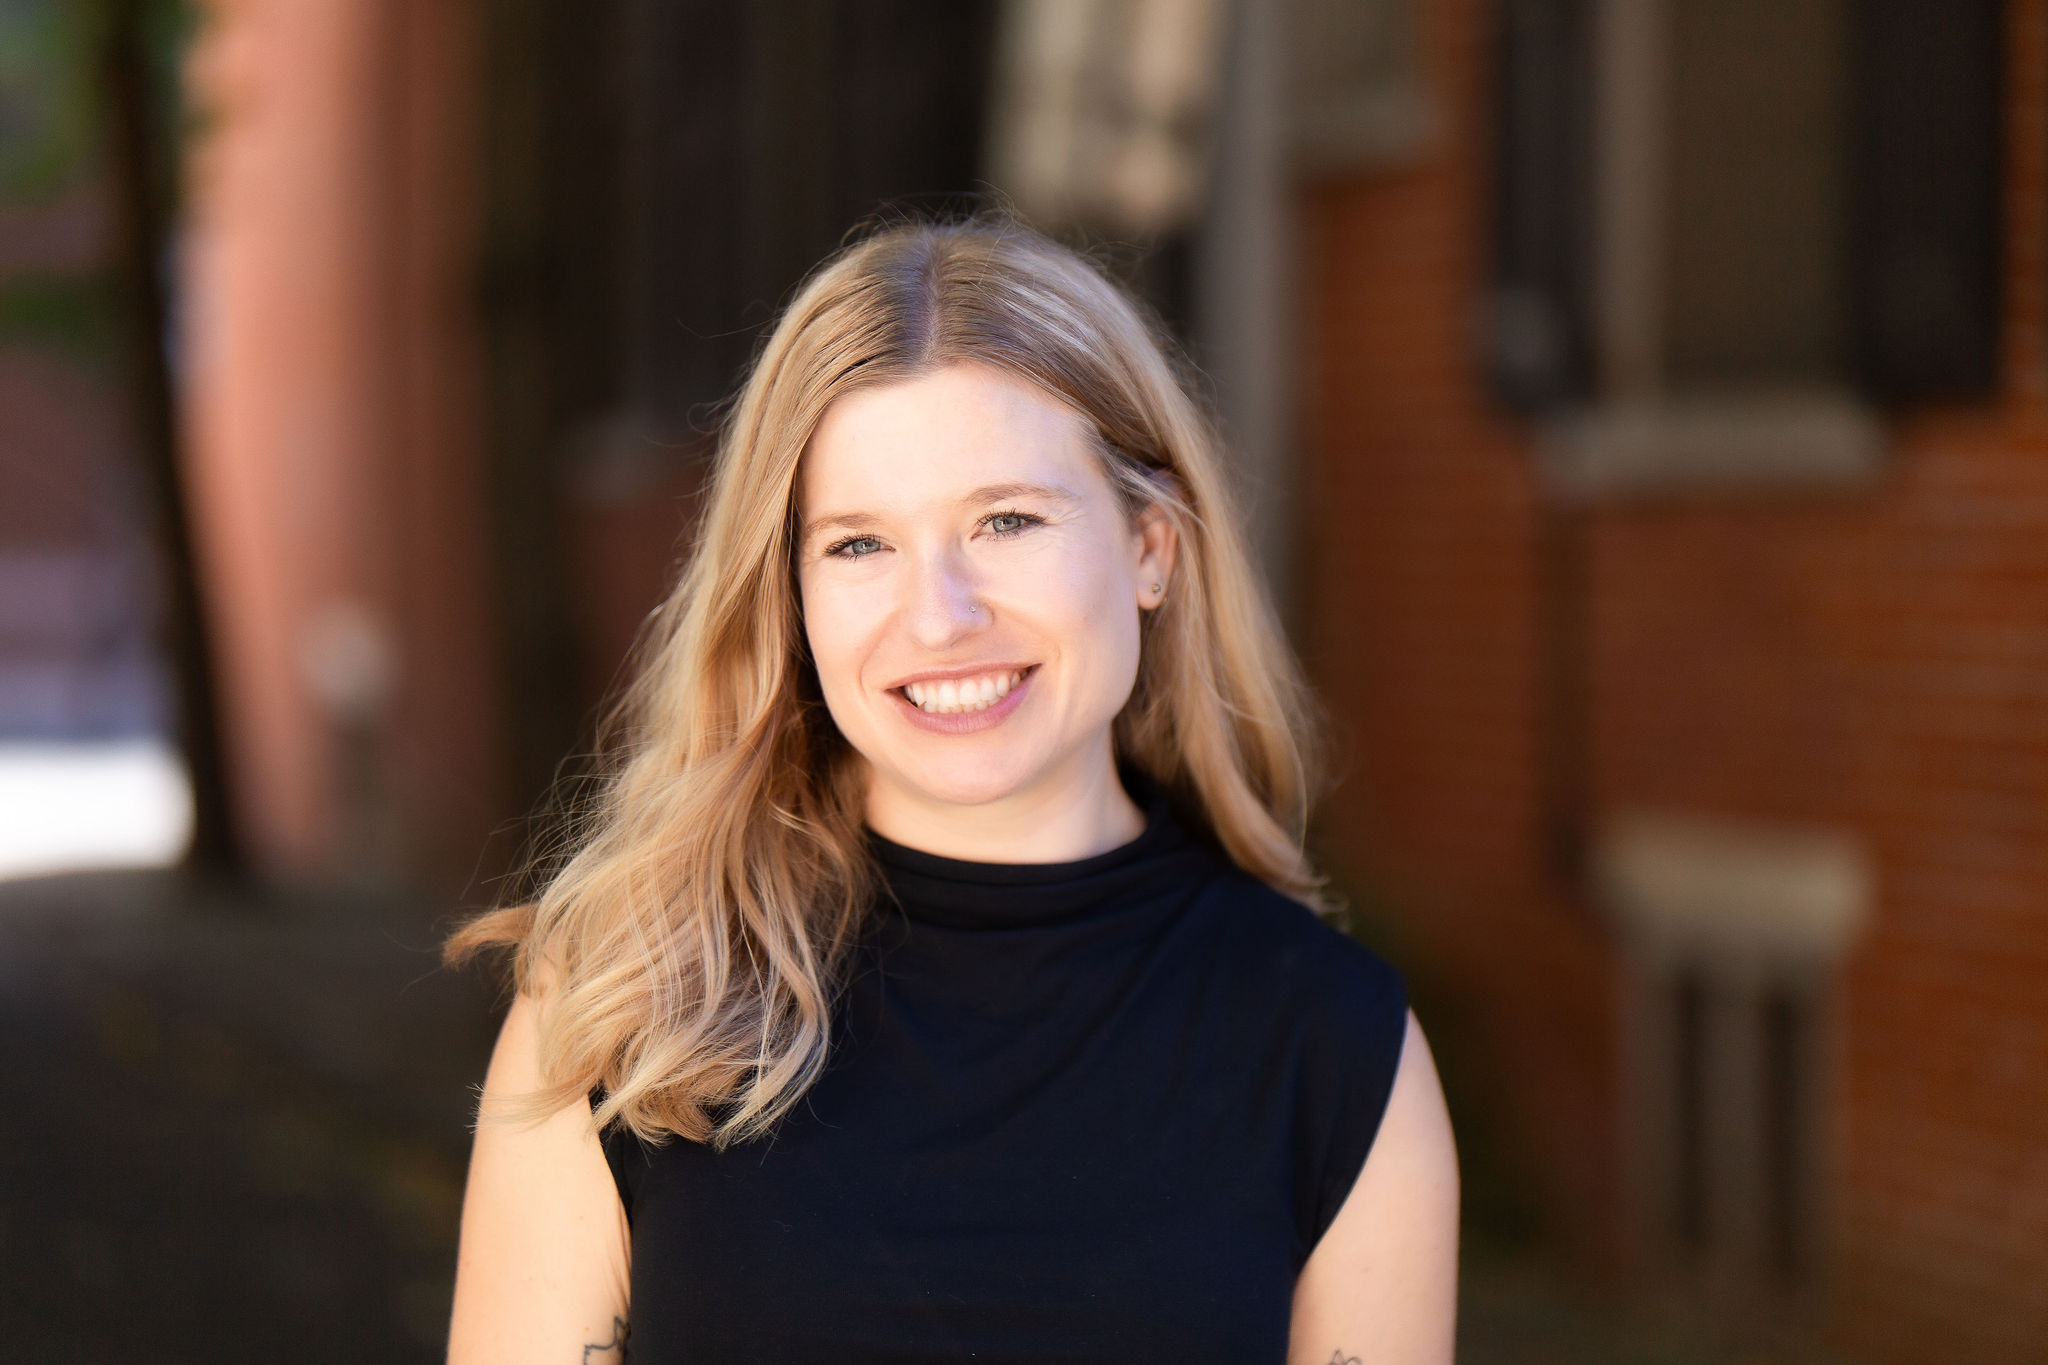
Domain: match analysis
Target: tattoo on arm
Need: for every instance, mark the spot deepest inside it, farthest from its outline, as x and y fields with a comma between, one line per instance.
x=596, y=1351
x=1337, y=1357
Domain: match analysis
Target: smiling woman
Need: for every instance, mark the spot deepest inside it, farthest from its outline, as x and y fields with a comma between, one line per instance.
x=938, y=976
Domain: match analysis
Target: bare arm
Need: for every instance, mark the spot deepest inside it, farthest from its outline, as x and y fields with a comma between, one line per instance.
x=1382, y=1285
x=542, y=1272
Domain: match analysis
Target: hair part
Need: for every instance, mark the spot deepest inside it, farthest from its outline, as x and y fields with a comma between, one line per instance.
x=695, y=939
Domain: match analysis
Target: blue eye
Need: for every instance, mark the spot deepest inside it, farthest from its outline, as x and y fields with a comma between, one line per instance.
x=855, y=547
x=1009, y=523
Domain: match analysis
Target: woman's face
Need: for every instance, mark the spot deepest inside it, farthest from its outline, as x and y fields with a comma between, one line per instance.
x=971, y=588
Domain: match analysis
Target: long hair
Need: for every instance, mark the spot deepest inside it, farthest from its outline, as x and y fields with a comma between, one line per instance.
x=696, y=936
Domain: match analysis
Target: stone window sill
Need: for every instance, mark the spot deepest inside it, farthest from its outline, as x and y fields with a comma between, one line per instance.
x=1721, y=445
x=1685, y=888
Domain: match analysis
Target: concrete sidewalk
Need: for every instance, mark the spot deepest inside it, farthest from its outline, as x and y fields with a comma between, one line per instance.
x=234, y=1127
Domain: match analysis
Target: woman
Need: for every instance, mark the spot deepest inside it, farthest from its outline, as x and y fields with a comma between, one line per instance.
x=937, y=977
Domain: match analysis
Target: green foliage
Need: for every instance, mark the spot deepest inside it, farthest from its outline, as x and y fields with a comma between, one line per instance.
x=47, y=97
x=53, y=96
x=72, y=315
x=50, y=93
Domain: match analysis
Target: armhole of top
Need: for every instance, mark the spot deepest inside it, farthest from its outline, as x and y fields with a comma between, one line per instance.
x=1366, y=1083
x=621, y=1152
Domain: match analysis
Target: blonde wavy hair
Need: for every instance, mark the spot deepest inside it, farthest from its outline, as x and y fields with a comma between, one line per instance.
x=695, y=936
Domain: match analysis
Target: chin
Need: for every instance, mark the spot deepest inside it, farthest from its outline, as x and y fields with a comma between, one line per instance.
x=965, y=784
x=963, y=779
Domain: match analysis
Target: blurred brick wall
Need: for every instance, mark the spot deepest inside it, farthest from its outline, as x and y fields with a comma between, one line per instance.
x=1875, y=660
x=331, y=370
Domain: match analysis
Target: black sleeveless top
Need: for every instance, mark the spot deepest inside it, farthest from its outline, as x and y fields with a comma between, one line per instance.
x=1088, y=1111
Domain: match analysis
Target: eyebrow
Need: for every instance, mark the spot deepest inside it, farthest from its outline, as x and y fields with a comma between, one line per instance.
x=987, y=493
x=1003, y=492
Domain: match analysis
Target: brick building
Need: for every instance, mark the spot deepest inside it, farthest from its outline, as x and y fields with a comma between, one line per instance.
x=1817, y=692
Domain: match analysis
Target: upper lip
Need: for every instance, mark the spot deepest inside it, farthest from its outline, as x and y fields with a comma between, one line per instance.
x=955, y=674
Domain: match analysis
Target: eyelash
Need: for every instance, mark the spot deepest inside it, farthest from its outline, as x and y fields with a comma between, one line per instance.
x=1029, y=519
x=837, y=550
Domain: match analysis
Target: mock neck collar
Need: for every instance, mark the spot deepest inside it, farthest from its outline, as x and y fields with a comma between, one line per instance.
x=960, y=893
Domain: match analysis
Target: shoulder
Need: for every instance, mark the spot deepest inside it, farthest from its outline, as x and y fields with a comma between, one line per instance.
x=1305, y=963
x=1381, y=1283
x=543, y=1263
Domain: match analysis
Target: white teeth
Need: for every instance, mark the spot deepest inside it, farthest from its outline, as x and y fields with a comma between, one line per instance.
x=957, y=696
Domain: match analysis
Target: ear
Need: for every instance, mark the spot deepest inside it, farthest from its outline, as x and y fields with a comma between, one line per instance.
x=1157, y=541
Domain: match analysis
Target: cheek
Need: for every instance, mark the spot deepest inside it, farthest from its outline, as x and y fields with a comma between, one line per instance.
x=835, y=626
x=1093, y=602
x=1117, y=629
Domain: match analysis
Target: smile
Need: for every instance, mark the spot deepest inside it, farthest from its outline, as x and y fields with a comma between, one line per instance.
x=964, y=705
x=961, y=696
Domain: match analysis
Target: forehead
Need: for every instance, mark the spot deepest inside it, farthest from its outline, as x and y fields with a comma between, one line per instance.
x=930, y=438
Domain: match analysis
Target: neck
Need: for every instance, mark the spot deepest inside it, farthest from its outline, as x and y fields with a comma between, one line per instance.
x=1054, y=822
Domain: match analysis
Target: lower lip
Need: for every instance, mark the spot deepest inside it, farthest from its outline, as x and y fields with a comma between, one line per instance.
x=966, y=722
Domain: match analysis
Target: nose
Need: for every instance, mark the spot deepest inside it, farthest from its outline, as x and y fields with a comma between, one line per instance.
x=945, y=604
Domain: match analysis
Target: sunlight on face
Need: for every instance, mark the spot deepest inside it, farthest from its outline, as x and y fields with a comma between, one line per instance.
x=971, y=588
